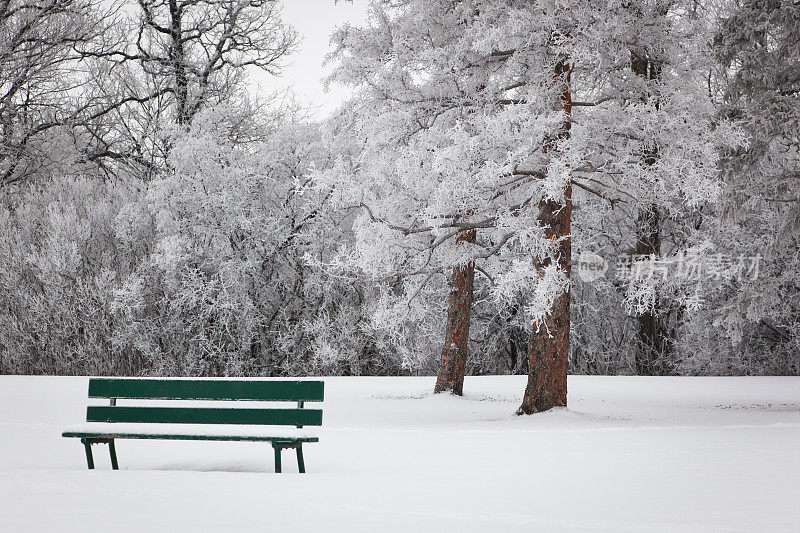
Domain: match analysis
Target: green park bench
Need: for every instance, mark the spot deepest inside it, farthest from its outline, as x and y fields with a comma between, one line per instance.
x=115, y=389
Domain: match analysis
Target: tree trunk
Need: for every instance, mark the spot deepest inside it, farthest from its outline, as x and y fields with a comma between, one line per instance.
x=651, y=350
x=177, y=56
x=651, y=332
x=548, y=349
x=454, y=352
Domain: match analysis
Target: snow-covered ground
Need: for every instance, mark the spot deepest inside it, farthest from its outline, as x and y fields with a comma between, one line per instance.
x=630, y=454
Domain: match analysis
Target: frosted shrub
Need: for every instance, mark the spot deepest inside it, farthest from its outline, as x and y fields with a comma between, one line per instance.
x=59, y=267
x=229, y=286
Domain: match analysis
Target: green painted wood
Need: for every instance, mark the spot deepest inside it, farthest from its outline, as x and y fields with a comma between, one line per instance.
x=278, y=450
x=173, y=436
x=89, y=459
x=301, y=465
x=206, y=389
x=181, y=389
x=204, y=415
x=113, y=452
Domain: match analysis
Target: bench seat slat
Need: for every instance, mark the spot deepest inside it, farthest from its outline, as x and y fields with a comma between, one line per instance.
x=204, y=415
x=206, y=389
x=180, y=436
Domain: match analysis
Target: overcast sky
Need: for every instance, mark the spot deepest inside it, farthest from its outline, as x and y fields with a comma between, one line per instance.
x=314, y=20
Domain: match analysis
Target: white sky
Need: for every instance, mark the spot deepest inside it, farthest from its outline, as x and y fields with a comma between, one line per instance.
x=314, y=20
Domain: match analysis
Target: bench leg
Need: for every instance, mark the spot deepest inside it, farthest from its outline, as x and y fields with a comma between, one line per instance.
x=278, y=450
x=113, y=451
x=87, y=444
x=301, y=465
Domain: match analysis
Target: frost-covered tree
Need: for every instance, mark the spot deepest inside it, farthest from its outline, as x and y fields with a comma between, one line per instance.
x=219, y=275
x=654, y=197
x=198, y=48
x=229, y=238
x=465, y=120
x=668, y=143
x=753, y=325
x=59, y=267
x=450, y=169
x=176, y=57
x=46, y=70
x=642, y=145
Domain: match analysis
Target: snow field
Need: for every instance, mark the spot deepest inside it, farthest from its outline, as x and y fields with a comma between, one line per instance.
x=629, y=454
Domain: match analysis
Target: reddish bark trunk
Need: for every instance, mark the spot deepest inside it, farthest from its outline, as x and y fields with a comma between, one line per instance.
x=454, y=352
x=548, y=349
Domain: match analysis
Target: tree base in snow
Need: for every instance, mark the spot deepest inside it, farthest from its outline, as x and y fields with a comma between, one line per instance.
x=548, y=354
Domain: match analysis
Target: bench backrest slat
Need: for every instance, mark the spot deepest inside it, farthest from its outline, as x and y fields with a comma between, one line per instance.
x=204, y=415
x=198, y=389
x=206, y=389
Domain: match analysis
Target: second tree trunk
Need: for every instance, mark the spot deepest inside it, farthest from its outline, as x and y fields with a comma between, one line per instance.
x=454, y=354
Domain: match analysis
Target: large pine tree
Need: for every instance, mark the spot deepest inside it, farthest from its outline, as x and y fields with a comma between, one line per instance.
x=494, y=117
x=458, y=124
x=751, y=323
